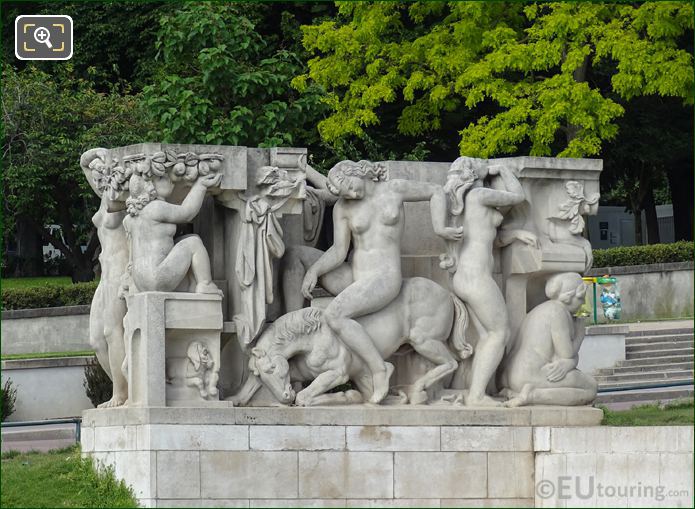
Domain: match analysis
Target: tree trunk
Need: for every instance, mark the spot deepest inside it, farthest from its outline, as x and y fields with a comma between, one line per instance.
x=29, y=250
x=681, y=182
x=649, y=207
x=639, y=239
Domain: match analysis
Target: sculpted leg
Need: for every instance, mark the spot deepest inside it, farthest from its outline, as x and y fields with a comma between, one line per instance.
x=438, y=353
x=487, y=303
x=359, y=299
x=322, y=383
x=187, y=253
x=113, y=332
x=576, y=388
x=96, y=330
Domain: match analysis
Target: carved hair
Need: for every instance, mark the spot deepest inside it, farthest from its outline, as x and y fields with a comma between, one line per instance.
x=142, y=192
x=365, y=170
x=194, y=353
x=460, y=179
x=564, y=286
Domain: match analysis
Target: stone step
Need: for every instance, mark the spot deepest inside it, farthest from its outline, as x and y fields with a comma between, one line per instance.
x=641, y=347
x=644, y=383
x=659, y=332
x=667, y=338
x=643, y=397
x=655, y=353
x=618, y=370
x=647, y=361
x=647, y=375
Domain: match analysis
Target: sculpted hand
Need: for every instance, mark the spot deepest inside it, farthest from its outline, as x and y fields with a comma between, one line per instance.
x=451, y=233
x=309, y=283
x=210, y=180
x=527, y=238
x=557, y=370
x=494, y=169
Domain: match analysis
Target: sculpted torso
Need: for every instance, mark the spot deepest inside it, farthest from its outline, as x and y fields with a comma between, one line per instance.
x=480, y=223
x=152, y=241
x=114, y=247
x=376, y=224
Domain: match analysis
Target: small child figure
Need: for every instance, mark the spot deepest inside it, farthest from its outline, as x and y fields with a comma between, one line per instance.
x=542, y=367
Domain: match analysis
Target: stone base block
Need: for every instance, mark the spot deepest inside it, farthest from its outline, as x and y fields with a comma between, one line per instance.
x=368, y=457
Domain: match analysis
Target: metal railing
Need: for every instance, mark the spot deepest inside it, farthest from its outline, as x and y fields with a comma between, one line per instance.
x=77, y=421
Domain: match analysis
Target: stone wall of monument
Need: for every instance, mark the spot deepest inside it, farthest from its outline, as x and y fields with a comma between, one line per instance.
x=385, y=457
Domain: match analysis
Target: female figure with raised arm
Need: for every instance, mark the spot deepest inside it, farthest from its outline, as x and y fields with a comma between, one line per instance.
x=108, y=309
x=157, y=262
x=476, y=210
x=370, y=214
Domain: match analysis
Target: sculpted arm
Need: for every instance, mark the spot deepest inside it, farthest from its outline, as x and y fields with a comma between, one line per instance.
x=189, y=208
x=513, y=195
x=318, y=181
x=333, y=257
x=338, y=252
x=422, y=191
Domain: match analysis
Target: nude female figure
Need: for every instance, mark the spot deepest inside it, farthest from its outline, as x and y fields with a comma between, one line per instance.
x=475, y=208
x=159, y=263
x=108, y=309
x=542, y=367
x=369, y=212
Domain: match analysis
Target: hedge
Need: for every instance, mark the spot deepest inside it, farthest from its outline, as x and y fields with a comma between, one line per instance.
x=48, y=296
x=81, y=293
x=644, y=255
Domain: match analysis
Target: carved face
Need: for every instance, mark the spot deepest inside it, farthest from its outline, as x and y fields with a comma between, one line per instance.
x=577, y=300
x=350, y=188
x=274, y=372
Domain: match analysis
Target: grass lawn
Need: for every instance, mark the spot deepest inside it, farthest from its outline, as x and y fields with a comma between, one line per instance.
x=46, y=355
x=59, y=479
x=29, y=282
x=676, y=413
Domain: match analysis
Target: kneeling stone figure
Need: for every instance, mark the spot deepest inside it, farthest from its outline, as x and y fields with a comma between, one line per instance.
x=542, y=367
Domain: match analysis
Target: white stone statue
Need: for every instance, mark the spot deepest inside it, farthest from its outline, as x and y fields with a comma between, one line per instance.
x=542, y=367
x=369, y=214
x=475, y=209
x=299, y=346
x=108, y=308
x=158, y=263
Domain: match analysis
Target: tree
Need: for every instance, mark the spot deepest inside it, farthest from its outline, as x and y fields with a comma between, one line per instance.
x=49, y=121
x=541, y=79
x=113, y=40
x=219, y=81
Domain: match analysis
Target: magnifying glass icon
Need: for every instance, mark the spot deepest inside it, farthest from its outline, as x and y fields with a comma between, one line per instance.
x=43, y=36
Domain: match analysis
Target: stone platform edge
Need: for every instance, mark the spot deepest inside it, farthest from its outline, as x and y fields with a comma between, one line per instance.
x=406, y=415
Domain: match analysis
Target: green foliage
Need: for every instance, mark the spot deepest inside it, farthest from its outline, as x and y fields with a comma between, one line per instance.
x=49, y=120
x=48, y=296
x=97, y=384
x=523, y=70
x=644, y=255
x=219, y=81
x=29, y=282
x=8, y=397
x=674, y=413
x=60, y=479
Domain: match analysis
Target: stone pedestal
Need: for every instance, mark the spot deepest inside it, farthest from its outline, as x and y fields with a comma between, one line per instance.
x=167, y=332
x=324, y=457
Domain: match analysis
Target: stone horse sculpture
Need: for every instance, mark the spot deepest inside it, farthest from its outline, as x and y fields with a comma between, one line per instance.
x=298, y=347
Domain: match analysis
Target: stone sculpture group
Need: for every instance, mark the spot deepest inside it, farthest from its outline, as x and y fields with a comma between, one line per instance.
x=250, y=311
